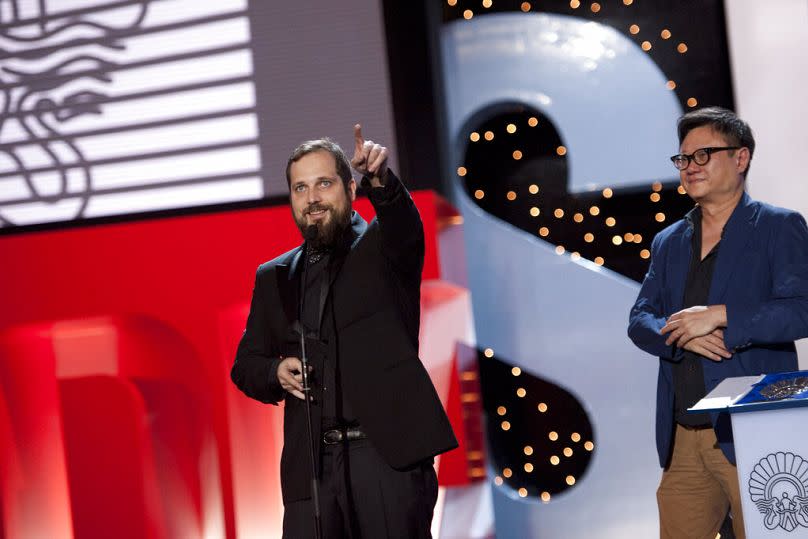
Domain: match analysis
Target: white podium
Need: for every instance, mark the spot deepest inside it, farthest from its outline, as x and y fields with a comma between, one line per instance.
x=770, y=428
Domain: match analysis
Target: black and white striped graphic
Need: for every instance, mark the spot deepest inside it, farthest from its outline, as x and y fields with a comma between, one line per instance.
x=112, y=107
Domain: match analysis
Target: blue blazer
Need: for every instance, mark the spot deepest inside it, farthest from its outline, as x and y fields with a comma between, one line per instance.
x=761, y=275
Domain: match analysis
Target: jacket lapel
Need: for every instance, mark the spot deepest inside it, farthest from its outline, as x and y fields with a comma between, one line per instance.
x=680, y=263
x=288, y=283
x=737, y=234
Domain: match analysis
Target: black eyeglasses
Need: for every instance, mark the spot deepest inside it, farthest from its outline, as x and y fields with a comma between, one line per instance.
x=700, y=156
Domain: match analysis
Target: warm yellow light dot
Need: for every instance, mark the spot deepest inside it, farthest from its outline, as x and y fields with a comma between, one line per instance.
x=510, y=128
x=594, y=210
x=589, y=237
x=517, y=155
x=595, y=7
x=532, y=121
x=533, y=189
x=570, y=480
x=617, y=240
x=634, y=29
x=645, y=254
x=575, y=4
x=516, y=371
x=610, y=221
x=468, y=14
x=656, y=187
x=544, y=231
x=575, y=255
x=681, y=190
x=487, y=3
x=521, y=392
x=655, y=197
x=553, y=435
x=599, y=261
x=528, y=450
x=545, y=497
x=660, y=217
x=559, y=249
x=554, y=460
x=534, y=211
x=498, y=481
x=628, y=236
x=589, y=446
x=646, y=46
x=451, y=2
x=511, y=195
x=692, y=102
x=489, y=352
x=637, y=238
x=575, y=437
x=671, y=85
x=506, y=425
x=561, y=150
x=578, y=217
x=507, y=472
x=479, y=194
x=525, y=6
x=474, y=136
x=542, y=407
x=488, y=135
x=567, y=452
x=682, y=48
x=665, y=34
x=528, y=467
x=559, y=213
x=522, y=492
x=461, y=171
x=501, y=410
x=628, y=2
x=607, y=193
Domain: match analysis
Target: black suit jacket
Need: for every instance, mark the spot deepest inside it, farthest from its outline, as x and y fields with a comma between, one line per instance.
x=373, y=309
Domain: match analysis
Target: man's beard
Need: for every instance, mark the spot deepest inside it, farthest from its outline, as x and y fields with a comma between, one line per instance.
x=328, y=233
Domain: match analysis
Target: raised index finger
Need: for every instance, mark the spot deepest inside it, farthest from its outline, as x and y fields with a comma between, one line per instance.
x=359, y=140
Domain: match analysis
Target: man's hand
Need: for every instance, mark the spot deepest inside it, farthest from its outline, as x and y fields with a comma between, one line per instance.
x=369, y=159
x=710, y=346
x=290, y=375
x=694, y=322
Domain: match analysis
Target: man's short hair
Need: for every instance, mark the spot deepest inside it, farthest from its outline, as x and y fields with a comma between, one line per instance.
x=734, y=130
x=322, y=145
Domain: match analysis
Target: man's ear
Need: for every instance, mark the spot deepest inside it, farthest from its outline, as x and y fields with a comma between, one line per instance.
x=352, y=189
x=743, y=159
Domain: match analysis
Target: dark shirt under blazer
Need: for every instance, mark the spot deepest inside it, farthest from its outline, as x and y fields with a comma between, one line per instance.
x=373, y=314
x=761, y=275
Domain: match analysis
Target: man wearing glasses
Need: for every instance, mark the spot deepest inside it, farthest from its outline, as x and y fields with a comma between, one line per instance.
x=726, y=295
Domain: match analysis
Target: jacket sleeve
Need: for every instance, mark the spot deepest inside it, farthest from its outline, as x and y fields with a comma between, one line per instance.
x=254, y=370
x=783, y=317
x=647, y=317
x=400, y=226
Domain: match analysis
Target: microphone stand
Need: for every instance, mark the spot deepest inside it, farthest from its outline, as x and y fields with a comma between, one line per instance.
x=310, y=234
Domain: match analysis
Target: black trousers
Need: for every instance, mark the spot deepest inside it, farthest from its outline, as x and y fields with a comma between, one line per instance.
x=362, y=497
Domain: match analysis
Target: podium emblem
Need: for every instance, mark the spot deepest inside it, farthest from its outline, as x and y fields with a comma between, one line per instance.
x=778, y=485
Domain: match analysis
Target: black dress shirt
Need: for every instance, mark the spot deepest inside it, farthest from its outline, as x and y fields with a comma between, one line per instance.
x=688, y=375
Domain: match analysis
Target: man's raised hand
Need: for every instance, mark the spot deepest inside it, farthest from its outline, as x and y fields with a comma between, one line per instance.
x=369, y=159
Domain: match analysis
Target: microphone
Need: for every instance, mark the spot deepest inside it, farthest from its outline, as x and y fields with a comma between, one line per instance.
x=309, y=234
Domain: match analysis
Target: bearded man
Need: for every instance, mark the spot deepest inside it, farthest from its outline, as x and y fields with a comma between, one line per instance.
x=377, y=421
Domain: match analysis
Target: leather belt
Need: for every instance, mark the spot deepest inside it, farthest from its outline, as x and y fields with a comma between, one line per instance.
x=696, y=427
x=336, y=436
